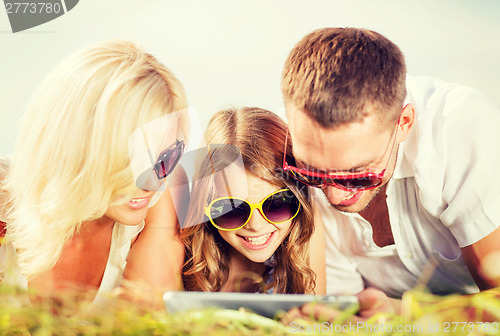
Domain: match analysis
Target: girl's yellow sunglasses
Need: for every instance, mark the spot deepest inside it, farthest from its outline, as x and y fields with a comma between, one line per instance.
x=232, y=213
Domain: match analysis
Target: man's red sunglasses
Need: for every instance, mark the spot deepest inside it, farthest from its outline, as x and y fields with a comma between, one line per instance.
x=343, y=181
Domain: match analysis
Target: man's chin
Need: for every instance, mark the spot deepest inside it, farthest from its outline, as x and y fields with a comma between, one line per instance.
x=361, y=204
x=350, y=208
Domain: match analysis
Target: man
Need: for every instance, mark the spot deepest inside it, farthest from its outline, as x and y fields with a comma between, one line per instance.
x=405, y=169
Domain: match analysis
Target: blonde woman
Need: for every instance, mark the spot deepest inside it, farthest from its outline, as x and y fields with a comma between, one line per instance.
x=253, y=238
x=78, y=208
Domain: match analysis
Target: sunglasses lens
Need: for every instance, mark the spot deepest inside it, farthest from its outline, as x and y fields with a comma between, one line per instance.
x=309, y=180
x=229, y=213
x=281, y=207
x=358, y=183
x=355, y=183
x=168, y=159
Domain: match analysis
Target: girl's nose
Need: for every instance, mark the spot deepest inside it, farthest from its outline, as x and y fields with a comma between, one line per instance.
x=257, y=222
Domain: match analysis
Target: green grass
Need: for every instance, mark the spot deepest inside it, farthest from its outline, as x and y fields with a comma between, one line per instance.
x=423, y=314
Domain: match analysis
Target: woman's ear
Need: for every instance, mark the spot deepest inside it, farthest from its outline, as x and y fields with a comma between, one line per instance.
x=406, y=122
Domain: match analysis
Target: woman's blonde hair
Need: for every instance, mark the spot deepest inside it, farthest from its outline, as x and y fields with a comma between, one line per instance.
x=71, y=160
x=260, y=136
x=4, y=169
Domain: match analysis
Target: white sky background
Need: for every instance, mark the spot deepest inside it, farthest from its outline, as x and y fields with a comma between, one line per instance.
x=231, y=53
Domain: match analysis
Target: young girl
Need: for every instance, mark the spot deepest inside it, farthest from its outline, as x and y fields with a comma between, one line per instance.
x=78, y=208
x=259, y=232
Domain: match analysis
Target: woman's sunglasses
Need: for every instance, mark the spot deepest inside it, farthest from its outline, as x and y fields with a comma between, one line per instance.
x=344, y=181
x=151, y=179
x=168, y=159
x=232, y=213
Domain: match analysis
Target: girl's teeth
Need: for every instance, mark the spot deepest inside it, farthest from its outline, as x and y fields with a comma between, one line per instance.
x=258, y=240
x=137, y=200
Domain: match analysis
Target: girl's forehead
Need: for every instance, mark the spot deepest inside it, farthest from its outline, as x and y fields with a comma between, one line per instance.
x=240, y=182
x=231, y=181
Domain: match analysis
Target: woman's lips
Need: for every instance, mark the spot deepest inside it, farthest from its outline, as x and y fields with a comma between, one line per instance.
x=138, y=203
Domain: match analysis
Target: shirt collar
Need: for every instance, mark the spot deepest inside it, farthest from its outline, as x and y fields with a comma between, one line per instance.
x=403, y=168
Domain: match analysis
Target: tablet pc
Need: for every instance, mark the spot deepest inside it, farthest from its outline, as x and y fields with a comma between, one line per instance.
x=264, y=304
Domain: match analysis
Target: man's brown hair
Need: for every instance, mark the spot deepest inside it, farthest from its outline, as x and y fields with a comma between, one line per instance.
x=335, y=74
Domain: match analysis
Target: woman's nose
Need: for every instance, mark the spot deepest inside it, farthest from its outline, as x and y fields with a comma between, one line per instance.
x=148, y=181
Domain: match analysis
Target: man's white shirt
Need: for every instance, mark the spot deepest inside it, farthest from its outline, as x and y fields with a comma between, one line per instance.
x=444, y=195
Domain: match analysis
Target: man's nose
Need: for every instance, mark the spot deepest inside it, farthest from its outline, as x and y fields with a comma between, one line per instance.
x=336, y=195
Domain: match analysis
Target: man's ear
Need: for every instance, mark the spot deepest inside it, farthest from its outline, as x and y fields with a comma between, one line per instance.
x=406, y=122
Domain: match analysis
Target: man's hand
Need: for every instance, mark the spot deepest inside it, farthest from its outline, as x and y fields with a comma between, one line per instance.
x=371, y=302
x=481, y=259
